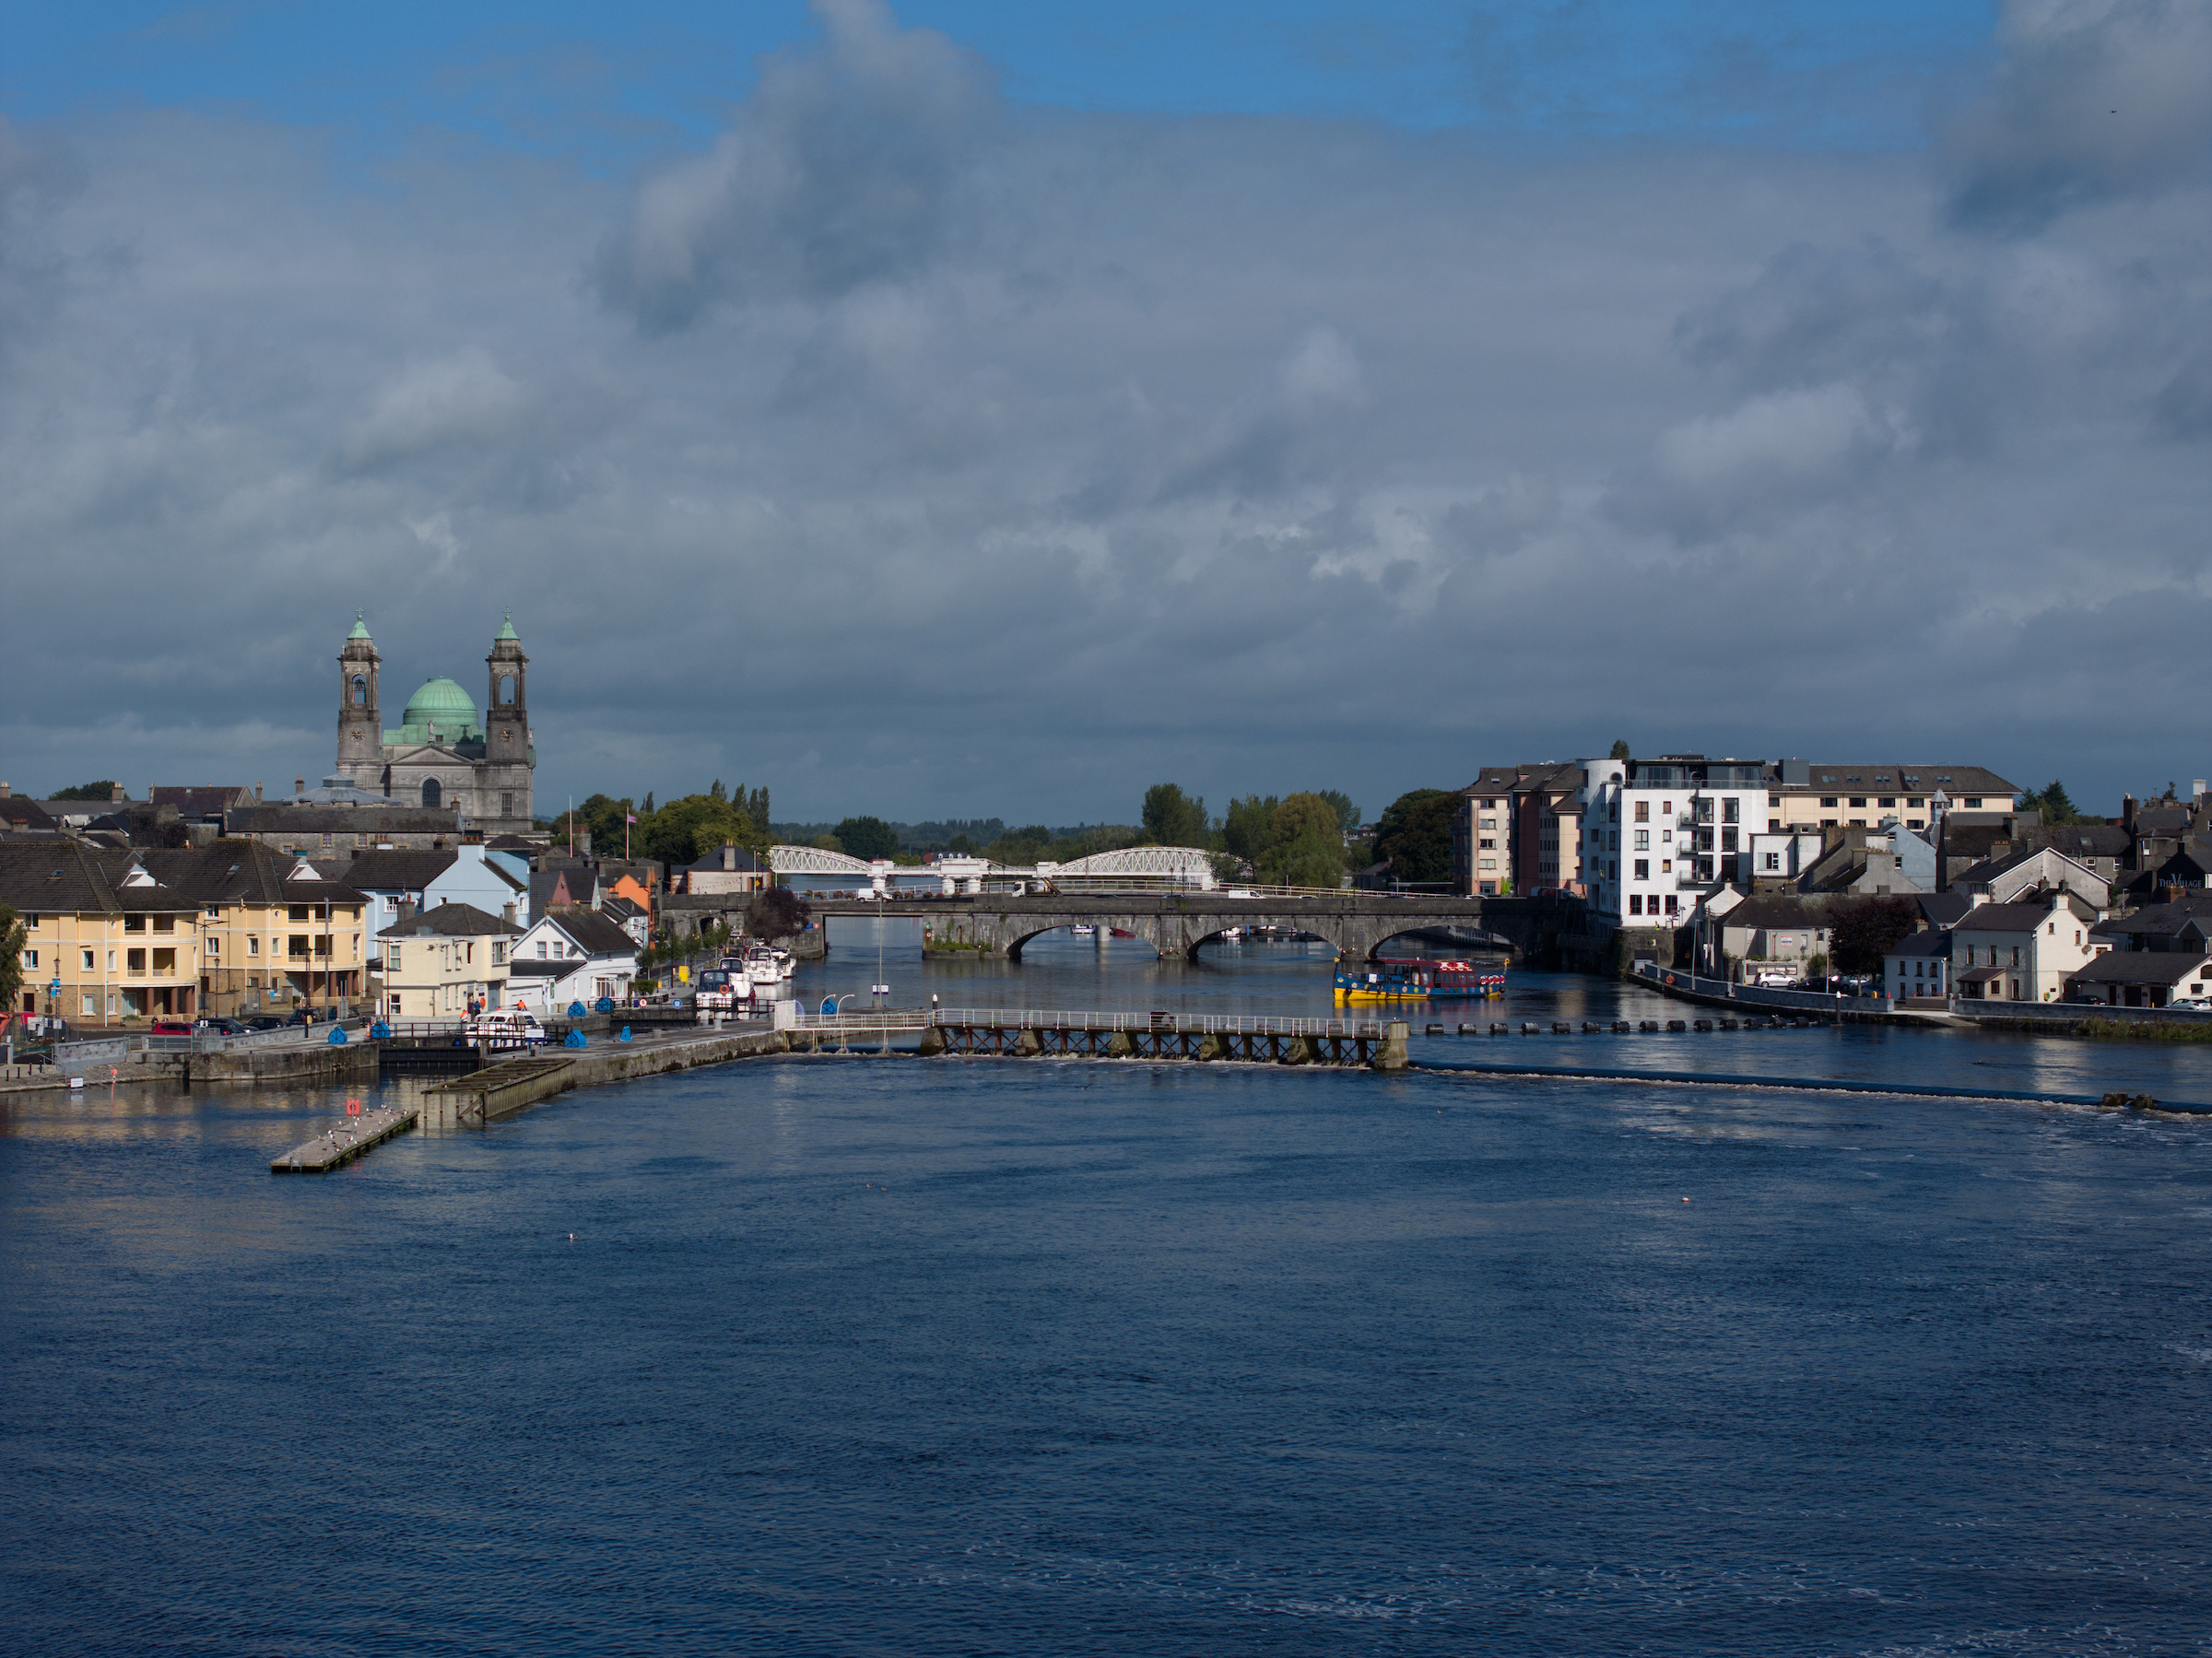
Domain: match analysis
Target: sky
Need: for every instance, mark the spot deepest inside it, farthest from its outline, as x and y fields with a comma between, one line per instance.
x=980, y=409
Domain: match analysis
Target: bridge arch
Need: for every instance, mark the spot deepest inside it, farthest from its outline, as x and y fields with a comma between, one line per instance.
x=1134, y=926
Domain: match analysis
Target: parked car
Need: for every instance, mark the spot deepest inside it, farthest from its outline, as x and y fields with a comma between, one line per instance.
x=267, y=1021
x=2192, y=1004
x=221, y=1025
x=172, y=1028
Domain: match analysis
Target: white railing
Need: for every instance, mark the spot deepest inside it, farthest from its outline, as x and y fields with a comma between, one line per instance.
x=1204, y=1023
x=1240, y=891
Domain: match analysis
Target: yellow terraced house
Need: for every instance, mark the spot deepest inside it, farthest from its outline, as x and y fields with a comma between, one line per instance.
x=275, y=935
x=438, y=962
x=104, y=943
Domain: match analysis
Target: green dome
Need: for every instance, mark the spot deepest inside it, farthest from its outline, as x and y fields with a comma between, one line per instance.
x=442, y=701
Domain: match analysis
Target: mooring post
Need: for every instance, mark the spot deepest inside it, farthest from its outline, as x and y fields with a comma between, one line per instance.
x=1392, y=1053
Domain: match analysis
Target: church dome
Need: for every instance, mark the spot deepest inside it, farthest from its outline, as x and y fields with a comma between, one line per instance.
x=447, y=703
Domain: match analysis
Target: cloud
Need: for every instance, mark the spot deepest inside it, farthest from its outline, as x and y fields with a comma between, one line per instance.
x=842, y=168
x=1256, y=453
x=2095, y=100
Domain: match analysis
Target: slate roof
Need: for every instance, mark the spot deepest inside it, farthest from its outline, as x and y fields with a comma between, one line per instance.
x=1928, y=941
x=1768, y=911
x=2082, y=839
x=1943, y=909
x=229, y=870
x=2018, y=918
x=1954, y=781
x=208, y=800
x=2138, y=966
x=598, y=935
x=621, y=908
x=20, y=814
x=449, y=920
x=742, y=861
x=342, y=820
x=399, y=871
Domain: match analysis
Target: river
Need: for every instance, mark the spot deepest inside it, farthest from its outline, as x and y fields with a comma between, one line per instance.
x=852, y=1355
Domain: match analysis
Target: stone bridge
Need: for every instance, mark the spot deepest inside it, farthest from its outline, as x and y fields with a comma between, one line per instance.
x=1174, y=924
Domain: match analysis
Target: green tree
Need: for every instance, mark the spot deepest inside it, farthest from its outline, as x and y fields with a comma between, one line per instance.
x=1249, y=829
x=1306, y=845
x=1415, y=834
x=685, y=831
x=12, y=936
x=867, y=838
x=777, y=913
x=1868, y=931
x=2055, y=805
x=605, y=818
x=1620, y=748
x=102, y=790
x=1347, y=813
x=1174, y=819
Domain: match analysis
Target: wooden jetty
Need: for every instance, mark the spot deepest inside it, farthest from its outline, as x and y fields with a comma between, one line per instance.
x=343, y=1145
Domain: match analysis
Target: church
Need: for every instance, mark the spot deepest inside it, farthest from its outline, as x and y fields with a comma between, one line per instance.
x=441, y=755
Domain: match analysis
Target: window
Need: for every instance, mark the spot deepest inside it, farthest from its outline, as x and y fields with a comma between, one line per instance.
x=1643, y=811
x=31, y=959
x=1489, y=844
x=1666, y=866
x=1828, y=802
x=392, y=956
x=215, y=949
x=1644, y=869
x=1973, y=802
x=91, y=1006
x=1635, y=903
x=1730, y=811
x=1774, y=826
x=430, y=796
x=213, y=913
x=1858, y=823
x=1773, y=801
x=1728, y=836
x=88, y=956
x=134, y=924
x=1613, y=841
x=1858, y=802
x=498, y=952
x=1774, y=860
x=111, y=969
x=1483, y=864
x=1489, y=823
x=1670, y=903
x=300, y=913
x=541, y=943
x=1915, y=801
x=165, y=961
x=325, y=840
x=1701, y=810
x=253, y=944
x=506, y=804
x=31, y=923
x=1667, y=837
x=1644, y=839
x=296, y=946
x=165, y=924
x=1889, y=800
x=1828, y=823
x=134, y=960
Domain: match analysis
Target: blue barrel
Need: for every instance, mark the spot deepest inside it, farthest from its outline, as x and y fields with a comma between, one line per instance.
x=575, y=1010
x=574, y=1040
x=604, y=1005
x=380, y=1031
x=626, y=1033
x=338, y=1035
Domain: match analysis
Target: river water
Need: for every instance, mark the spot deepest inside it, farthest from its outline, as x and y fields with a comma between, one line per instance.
x=879, y=1356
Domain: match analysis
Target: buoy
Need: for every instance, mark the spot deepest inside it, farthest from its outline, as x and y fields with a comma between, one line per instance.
x=1686, y=1200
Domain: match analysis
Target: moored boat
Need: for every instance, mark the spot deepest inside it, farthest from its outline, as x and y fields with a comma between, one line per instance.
x=1417, y=980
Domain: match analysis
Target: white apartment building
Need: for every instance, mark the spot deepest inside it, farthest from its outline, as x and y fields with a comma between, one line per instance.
x=1659, y=834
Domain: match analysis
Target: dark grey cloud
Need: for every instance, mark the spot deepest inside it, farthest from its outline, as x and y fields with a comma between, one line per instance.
x=842, y=168
x=1097, y=451
x=2095, y=100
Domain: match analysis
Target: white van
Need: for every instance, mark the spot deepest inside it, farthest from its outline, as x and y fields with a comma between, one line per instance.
x=501, y=1028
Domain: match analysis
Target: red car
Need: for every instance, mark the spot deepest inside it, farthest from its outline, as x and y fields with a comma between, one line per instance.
x=173, y=1027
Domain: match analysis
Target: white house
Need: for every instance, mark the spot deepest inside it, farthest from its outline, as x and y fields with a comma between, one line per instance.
x=2023, y=952
x=423, y=880
x=1918, y=965
x=436, y=964
x=573, y=956
x=1660, y=834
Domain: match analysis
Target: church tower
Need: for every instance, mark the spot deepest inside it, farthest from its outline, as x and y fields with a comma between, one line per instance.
x=361, y=725
x=508, y=756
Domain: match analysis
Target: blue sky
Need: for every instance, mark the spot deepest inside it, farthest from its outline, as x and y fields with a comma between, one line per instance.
x=611, y=81
x=965, y=409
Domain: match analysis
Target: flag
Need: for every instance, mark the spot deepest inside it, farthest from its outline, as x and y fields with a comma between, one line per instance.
x=632, y=817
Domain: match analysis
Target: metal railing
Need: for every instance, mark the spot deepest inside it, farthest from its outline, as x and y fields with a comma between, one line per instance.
x=1084, y=887
x=1806, y=1001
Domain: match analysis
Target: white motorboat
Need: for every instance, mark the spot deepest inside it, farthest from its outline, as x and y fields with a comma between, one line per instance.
x=497, y=1029
x=1083, y=929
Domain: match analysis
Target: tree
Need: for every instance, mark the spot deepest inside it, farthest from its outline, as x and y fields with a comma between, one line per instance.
x=1620, y=748
x=1415, y=834
x=1306, y=845
x=1250, y=826
x=102, y=790
x=869, y=838
x=776, y=912
x=1867, y=931
x=12, y=935
x=1346, y=813
x=2054, y=803
x=1174, y=819
x=686, y=830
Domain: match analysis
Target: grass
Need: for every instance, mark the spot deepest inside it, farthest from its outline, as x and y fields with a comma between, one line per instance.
x=2155, y=1031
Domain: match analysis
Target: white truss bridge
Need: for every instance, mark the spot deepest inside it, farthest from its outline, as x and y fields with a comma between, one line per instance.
x=1184, y=868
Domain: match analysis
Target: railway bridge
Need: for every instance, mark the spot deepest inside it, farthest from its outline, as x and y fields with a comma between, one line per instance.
x=1176, y=924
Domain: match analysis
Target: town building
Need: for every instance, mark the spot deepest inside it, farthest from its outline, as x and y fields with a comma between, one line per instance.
x=2006, y=879
x=730, y=868
x=103, y=942
x=441, y=754
x=274, y=934
x=438, y=963
x=572, y=956
x=2141, y=979
x=1917, y=968
x=423, y=880
x=1825, y=794
x=2023, y=952
x=1500, y=829
x=327, y=831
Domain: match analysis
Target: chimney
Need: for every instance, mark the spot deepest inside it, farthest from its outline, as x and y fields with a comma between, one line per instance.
x=406, y=910
x=116, y=796
x=256, y=794
x=2127, y=813
x=299, y=786
x=507, y=912
x=729, y=854
x=3, y=790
